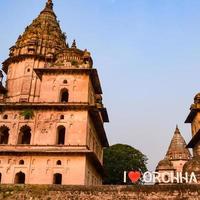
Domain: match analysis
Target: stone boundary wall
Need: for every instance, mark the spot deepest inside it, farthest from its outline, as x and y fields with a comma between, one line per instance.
x=54, y=192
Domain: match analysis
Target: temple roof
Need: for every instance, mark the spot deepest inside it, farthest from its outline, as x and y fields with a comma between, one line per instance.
x=42, y=37
x=44, y=40
x=44, y=30
x=164, y=165
x=177, y=149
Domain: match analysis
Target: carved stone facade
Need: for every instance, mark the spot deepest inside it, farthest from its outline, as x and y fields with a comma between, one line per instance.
x=194, y=119
x=52, y=116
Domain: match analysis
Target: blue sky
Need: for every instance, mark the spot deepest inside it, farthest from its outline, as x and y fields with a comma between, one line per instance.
x=147, y=55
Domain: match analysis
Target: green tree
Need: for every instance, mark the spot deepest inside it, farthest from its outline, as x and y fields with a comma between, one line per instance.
x=27, y=114
x=119, y=158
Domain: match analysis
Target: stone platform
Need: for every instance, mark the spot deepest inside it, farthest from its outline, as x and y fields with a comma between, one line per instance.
x=54, y=192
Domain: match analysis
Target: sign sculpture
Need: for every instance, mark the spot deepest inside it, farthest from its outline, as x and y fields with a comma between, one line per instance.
x=156, y=177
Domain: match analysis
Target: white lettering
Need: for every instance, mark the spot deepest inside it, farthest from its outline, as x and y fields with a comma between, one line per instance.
x=125, y=175
x=156, y=177
x=182, y=178
x=175, y=179
x=147, y=177
x=166, y=177
x=193, y=178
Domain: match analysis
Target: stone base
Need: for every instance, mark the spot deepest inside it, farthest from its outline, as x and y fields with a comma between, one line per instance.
x=54, y=192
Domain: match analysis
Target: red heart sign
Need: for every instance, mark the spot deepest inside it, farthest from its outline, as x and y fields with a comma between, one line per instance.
x=134, y=176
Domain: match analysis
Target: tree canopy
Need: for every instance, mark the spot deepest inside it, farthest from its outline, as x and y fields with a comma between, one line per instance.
x=119, y=158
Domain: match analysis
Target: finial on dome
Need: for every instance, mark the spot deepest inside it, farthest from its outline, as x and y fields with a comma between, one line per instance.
x=74, y=44
x=49, y=4
x=177, y=129
x=197, y=98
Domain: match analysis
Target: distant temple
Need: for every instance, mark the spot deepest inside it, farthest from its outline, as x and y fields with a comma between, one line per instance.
x=176, y=156
x=52, y=116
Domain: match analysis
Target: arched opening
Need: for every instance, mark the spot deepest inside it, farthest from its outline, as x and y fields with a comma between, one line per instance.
x=58, y=162
x=20, y=178
x=5, y=117
x=61, y=135
x=62, y=117
x=57, y=179
x=4, y=135
x=64, y=96
x=21, y=162
x=65, y=81
x=25, y=135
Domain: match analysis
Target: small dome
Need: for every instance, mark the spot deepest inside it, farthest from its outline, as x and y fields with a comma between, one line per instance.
x=197, y=98
x=164, y=165
x=74, y=56
x=192, y=165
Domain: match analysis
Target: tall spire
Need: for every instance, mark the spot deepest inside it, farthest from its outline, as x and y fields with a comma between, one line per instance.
x=42, y=38
x=177, y=130
x=49, y=4
x=177, y=148
x=74, y=44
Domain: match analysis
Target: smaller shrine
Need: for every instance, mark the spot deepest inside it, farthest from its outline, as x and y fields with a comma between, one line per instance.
x=176, y=156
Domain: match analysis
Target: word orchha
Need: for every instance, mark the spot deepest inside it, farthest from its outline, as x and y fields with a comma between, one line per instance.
x=156, y=177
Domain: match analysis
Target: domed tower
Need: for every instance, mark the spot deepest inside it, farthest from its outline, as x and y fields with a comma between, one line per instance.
x=176, y=156
x=38, y=46
x=52, y=116
x=194, y=119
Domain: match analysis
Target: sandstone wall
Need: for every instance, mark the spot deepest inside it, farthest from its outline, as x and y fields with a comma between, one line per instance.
x=158, y=192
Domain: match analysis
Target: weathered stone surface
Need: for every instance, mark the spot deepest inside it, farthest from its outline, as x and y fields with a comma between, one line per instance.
x=156, y=192
x=176, y=156
x=52, y=114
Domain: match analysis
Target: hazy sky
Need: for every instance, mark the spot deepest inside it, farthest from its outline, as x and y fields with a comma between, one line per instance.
x=146, y=52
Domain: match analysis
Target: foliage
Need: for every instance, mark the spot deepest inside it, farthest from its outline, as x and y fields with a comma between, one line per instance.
x=119, y=158
x=28, y=114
